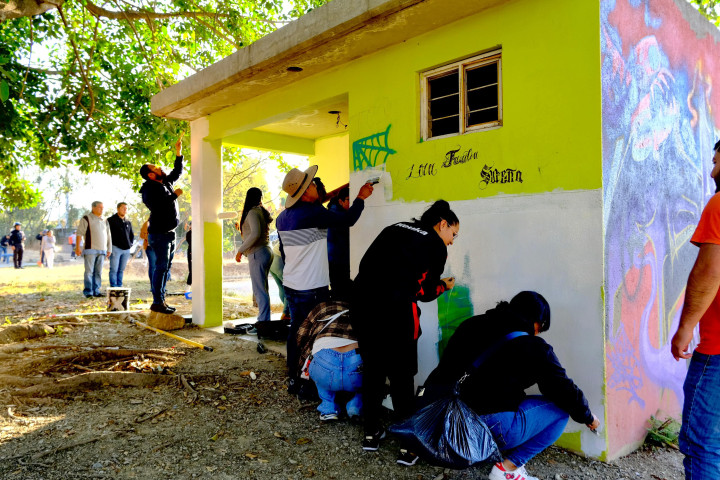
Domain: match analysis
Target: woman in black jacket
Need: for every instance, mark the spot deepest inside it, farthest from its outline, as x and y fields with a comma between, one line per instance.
x=522, y=425
x=401, y=267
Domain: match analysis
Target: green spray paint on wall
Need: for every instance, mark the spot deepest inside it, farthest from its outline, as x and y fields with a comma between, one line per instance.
x=212, y=243
x=453, y=308
x=372, y=151
x=571, y=441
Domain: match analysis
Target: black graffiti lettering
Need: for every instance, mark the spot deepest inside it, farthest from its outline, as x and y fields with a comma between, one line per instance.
x=421, y=170
x=452, y=158
x=490, y=175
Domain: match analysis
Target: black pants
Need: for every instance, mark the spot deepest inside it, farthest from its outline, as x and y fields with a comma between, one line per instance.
x=17, y=256
x=189, y=279
x=402, y=391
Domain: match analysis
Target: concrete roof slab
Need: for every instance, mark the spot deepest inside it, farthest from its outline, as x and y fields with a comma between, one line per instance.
x=336, y=33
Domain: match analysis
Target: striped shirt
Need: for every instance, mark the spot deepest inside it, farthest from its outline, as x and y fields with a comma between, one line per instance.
x=303, y=242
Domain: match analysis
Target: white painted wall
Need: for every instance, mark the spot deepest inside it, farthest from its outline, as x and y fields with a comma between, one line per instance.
x=551, y=243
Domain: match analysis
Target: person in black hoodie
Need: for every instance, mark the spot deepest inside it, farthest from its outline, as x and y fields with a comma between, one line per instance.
x=160, y=198
x=521, y=425
x=401, y=267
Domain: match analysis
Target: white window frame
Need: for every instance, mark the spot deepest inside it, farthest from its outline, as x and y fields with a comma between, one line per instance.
x=462, y=66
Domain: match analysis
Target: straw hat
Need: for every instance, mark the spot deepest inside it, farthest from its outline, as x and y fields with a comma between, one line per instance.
x=296, y=182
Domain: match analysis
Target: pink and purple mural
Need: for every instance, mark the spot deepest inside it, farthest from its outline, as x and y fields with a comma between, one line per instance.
x=661, y=113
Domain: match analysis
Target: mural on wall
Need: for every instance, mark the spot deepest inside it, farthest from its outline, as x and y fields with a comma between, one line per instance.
x=372, y=151
x=658, y=136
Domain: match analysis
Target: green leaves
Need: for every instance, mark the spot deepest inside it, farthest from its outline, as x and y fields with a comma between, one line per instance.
x=75, y=88
x=4, y=91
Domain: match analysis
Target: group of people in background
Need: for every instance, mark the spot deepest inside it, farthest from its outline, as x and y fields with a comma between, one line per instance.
x=97, y=239
x=348, y=339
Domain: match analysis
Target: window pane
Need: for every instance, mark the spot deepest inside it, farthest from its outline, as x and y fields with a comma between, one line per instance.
x=483, y=116
x=480, y=76
x=444, y=107
x=442, y=86
x=482, y=94
x=445, y=126
x=482, y=98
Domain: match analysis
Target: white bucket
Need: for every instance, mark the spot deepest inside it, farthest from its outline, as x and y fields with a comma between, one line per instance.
x=118, y=299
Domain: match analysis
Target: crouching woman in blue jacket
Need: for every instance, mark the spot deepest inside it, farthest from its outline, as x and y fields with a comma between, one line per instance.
x=522, y=425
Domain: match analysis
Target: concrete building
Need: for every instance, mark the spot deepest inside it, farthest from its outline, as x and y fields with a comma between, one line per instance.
x=572, y=138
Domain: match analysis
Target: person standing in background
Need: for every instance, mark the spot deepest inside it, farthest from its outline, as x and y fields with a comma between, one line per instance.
x=122, y=239
x=98, y=246
x=71, y=241
x=4, y=244
x=48, y=248
x=254, y=229
x=17, y=243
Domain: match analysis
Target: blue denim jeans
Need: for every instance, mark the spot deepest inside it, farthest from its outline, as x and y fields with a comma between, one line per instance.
x=163, y=246
x=259, y=262
x=4, y=257
x=521, y=435
x=700, y=432
x=94, y=260
x=118, y=260
x=151, y=266
x=334, y=372
x=301, y=303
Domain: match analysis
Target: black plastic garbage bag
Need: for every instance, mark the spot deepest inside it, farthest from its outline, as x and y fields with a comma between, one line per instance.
x=448, y=433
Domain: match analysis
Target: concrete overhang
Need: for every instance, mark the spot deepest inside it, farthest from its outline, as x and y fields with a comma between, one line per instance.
x=336, y=33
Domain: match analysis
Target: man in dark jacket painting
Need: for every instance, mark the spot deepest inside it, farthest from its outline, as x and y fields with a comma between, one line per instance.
x=161, y=199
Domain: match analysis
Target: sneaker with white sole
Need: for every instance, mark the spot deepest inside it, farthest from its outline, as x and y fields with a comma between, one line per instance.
x=326, y=417
x=498, y=472
x=372, y=442
x=407, y=458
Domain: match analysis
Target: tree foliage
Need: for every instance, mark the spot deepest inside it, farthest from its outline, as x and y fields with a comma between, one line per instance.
x=76, y=77
x=709, y=8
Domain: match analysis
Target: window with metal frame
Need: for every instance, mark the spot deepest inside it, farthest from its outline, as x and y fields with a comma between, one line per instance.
x=462, y=97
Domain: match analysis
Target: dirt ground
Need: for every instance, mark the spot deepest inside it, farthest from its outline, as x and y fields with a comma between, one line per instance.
x=101, y=398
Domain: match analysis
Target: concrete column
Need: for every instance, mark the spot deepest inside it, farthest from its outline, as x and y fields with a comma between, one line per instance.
x=206, y=165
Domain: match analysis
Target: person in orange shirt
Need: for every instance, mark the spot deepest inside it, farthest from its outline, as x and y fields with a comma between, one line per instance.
x=699, y=438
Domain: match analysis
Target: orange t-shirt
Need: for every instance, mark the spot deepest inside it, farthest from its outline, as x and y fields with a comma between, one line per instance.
x=708, y=231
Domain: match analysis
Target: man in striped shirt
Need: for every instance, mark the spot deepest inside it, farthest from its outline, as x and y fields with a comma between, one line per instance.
x=302, y=228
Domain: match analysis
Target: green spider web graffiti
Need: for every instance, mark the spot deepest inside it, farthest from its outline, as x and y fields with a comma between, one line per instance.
x=371, y=151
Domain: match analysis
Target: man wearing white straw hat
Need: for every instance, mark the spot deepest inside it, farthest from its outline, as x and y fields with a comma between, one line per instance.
x=302, y=228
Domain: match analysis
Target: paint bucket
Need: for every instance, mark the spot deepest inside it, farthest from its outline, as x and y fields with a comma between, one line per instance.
x=118, y=299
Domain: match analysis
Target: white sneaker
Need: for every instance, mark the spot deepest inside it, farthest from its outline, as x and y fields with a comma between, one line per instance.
x=499, y=473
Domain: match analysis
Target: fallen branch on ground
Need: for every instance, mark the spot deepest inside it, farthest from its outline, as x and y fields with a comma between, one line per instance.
x=23, y=331
x=192, y=395
x=98, y=355
x=95, y=380
x=15, y=381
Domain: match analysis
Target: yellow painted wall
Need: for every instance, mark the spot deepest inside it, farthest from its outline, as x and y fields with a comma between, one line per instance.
x=332, y=158
x=551, y=100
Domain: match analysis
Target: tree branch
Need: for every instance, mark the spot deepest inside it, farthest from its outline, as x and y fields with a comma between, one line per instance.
x=146, y=14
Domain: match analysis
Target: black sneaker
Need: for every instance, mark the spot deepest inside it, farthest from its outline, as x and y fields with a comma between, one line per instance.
x=372, y=442
x=407, y=458
x=168, y=307
x=98, y=294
